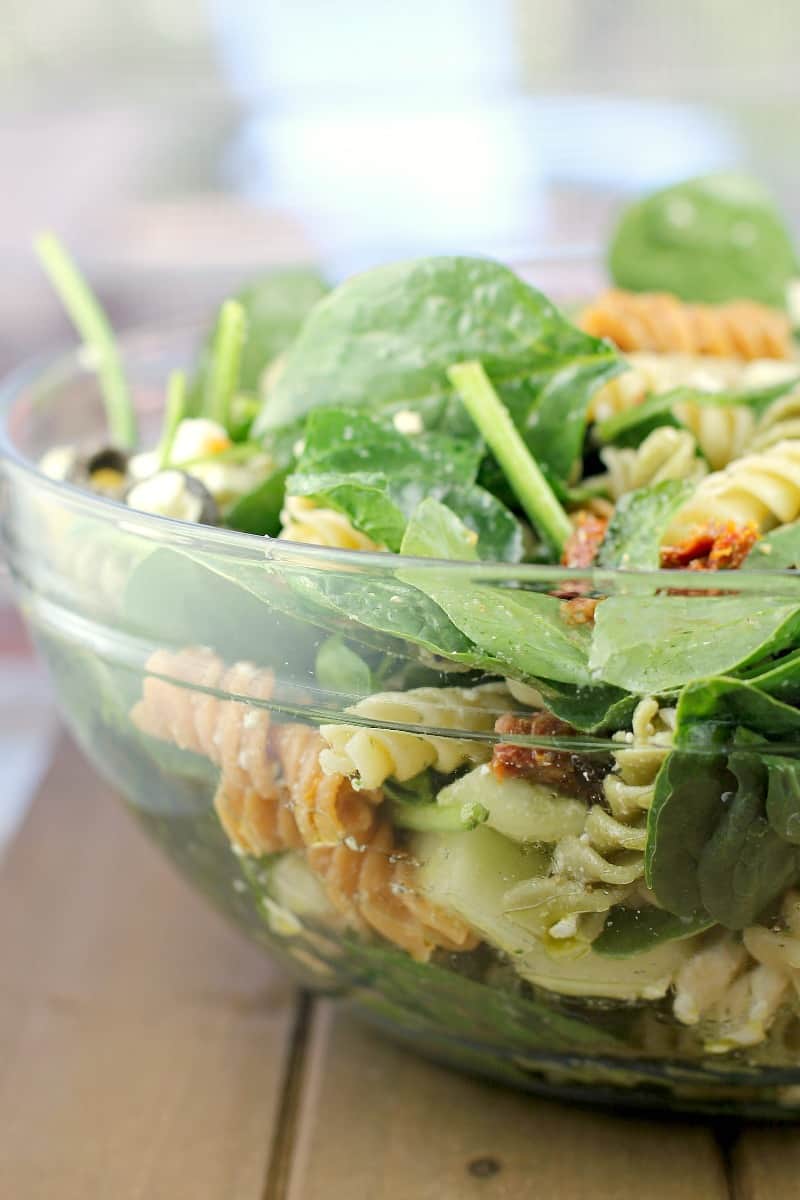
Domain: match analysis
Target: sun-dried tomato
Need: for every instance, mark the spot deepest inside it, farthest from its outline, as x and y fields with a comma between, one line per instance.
x=580, y=548
x=716, y=546
x=579, y=610
x=573, y=774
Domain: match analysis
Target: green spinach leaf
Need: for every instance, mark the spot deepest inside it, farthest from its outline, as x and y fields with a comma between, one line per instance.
x=387, y=337
x=777, y=551
x=631, y=427
x=662, y=642
x=340, y=669
x=783, y=796
x=259, y=511
x=629, y=931
x=514, y=631
x=683, y=816
x=745, y=864
x=275, y=306
x=634, y=535
x=709, y=710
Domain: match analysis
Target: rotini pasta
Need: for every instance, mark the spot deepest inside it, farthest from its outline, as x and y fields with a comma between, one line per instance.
x=373, y=754
x=658, y=321
x=303, y=521
x=604, y=865
x=273, y=795
x=780, y=422
x=651, y=374
x=666, y=453
x=759, y=489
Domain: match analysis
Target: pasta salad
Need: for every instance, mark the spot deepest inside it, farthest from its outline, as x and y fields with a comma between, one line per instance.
x=546, y=741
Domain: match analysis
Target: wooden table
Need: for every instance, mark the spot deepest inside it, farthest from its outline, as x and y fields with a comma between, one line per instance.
x=147, y=1052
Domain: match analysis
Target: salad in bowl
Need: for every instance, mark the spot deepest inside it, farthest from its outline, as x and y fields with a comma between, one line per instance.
x=448, y=637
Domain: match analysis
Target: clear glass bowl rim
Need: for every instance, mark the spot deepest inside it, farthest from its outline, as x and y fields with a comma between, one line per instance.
x=63, y=364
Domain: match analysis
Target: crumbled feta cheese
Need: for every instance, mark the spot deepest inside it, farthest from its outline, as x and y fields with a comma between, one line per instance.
x=142, y=466
x=407, y=421
x=58, y=462
x=227, y=481
x=197, y=437
x=166, y=494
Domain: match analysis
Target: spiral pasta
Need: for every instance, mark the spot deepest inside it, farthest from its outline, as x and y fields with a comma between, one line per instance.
x=658, y=321
x=604, y=865
x=759, y=489
x=273, y=795
x=666, y=453
x=780, y=422
x=303, y=521
x=373, y=754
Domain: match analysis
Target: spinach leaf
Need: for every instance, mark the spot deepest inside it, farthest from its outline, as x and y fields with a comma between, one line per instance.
x=783, y=796
x=514, y=631
x=630, y=931
x=377, y=476
x=745, y=865
x=259, y=511
x=777, y=551
x=364, y=498
x=635, y=532
x=275, y=306
x=346, y=441
x=710, y=709
x=631, y=427
x=683, y=816
x=387, y=337
x=554, y=426
x=592, y=709
x=340, y=669
x=662, y=642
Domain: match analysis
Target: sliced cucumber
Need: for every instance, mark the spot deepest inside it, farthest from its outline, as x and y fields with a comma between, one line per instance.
x=471, y=872
x=519, y=809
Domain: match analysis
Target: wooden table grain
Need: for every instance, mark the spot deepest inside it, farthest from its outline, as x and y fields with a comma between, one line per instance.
x=148, y=1052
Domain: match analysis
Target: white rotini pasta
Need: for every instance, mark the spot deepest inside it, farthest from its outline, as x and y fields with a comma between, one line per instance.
x=722, y=431
x=651, y=374
x=780, y=422
x=734, y=987
x=762, y=489
x=604, y=865
x=666, y=453
x=303, y=521
x=374, y=754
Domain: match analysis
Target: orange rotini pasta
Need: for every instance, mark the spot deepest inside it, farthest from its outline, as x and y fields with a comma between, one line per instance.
x=657, y=321
x=273, y=795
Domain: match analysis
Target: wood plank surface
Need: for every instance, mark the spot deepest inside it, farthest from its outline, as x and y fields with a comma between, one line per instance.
x=397, y=1127
x=142, y=1042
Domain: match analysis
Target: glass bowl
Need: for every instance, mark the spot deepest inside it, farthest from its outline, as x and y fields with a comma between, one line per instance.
x=508, y=932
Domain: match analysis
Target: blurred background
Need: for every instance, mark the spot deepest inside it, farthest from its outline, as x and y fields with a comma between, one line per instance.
x=177, y=145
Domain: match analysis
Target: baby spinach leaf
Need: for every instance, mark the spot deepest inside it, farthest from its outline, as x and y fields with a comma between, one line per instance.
x=554, y=426
x=783, y=796
x=777, y=551
x=259, y=511
x=631, y=427
x=684, y=814
x=346, y=441
x=514, y=631
x=388, y=336
x=377, y=476
x=709, y=709
x=745, y=864
x=630, y=931
x=275, y=305
x=635, y=532
x=590, y=709
x=663, y=642
x=499, y=532
x=340, y=669
x=364, y=498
